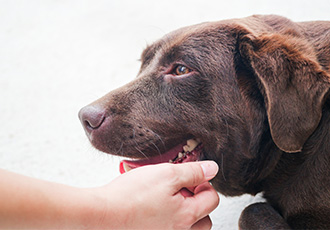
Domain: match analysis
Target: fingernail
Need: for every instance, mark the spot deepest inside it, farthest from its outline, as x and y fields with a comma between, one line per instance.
x=210, y=169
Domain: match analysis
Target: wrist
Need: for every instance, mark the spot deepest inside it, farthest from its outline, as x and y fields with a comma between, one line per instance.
x=90, y=208
x=98, y=209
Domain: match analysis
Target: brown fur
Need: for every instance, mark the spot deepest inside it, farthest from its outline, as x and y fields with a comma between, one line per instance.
x=258, y=101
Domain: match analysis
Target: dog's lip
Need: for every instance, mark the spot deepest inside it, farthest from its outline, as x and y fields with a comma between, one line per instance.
x=162, y=158
x=171, y=154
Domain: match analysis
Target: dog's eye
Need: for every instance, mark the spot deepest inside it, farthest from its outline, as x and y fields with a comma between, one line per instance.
x=181, y=70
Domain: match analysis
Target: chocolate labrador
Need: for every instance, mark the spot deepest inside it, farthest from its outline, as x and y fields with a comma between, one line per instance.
x=250, y=94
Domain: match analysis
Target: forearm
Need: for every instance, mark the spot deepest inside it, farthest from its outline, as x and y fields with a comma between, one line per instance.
x=31, y=203
x=138, y=199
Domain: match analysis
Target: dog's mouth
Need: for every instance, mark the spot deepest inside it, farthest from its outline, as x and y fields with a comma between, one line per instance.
x=185, y=152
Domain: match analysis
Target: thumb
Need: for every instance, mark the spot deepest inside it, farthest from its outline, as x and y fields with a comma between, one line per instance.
x=194, y=173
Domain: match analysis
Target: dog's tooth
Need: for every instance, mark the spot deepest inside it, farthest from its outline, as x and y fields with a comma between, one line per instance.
x=191, y=143
x=189, y=149
x=186, y=148
x=180, y=155
x=170, y=161
x=127, y=168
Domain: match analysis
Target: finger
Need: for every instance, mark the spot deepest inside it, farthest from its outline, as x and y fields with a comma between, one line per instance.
x=194, y=173
x=204, y=201
x=204, y=223
x=190, y=191
x=202, y=187
x=186, y=192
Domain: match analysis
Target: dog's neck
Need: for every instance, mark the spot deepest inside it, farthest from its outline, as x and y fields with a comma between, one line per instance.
x=303, y=171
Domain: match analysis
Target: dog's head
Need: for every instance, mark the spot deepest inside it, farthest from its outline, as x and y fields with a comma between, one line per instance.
x=233, y=87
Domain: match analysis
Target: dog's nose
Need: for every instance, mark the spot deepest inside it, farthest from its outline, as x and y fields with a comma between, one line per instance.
x=91, y=117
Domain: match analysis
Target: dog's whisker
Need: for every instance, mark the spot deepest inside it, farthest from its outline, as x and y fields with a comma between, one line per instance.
x=159, y=138
x=222, y=159
x=137, y=144
x=121, y=152
x=222, y=168
x=120, y=149
x=141, y=152
x=227, y=127
x=133, y=133
x=156, y=147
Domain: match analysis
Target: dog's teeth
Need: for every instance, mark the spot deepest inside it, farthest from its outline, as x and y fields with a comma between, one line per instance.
x=191, y=143
x=187, y=150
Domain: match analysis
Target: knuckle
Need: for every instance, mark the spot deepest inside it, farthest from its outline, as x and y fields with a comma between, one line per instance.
x=193, y=216
x=187, y=222
x=196, y=174
x=205, y=223
x=214, y=201
x=217, y=199
x=188, y=218
x=172, y=174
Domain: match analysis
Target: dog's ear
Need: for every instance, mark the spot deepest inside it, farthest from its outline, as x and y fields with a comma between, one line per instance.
x=292, y=82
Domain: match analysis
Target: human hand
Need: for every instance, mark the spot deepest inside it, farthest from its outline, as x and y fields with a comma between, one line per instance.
x=156, y=197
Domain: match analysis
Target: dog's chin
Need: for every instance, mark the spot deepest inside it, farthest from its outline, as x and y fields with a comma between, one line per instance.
x=190, y=150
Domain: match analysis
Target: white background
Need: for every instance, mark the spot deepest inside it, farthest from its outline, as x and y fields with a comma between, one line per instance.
x=58, y=55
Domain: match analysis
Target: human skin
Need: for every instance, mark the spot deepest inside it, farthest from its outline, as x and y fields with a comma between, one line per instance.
x=149, y=197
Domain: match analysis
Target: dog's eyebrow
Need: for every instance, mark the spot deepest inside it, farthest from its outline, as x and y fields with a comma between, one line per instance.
x=145, y=52
x=149, y=52
x=171, y=54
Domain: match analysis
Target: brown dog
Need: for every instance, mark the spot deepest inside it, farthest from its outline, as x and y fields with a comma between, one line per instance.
x=252, y=94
